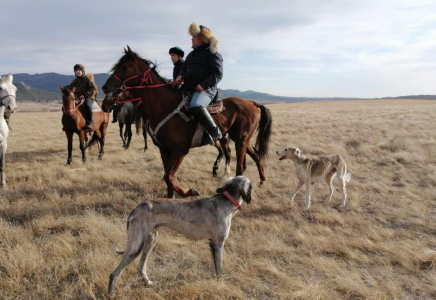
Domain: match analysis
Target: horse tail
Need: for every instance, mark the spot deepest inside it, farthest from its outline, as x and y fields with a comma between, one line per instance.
x=264, y=131
x=92, y=141
x=138, y=123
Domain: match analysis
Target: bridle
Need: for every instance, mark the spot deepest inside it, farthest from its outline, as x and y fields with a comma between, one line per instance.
x=146, y=83
x=75, y=108
x=1, y=99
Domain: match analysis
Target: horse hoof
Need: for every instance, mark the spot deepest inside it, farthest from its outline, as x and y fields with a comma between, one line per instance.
x=194, y=192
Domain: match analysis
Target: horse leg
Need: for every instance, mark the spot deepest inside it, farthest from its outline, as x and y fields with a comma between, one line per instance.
x=121, y=125
x=3, y=147
x=129, y=134
x=171, y=162
x=82, y=145
x=217, y=161
x=144, y=134
x=103, y=130
x=241, y=149
x=70, y=146
x=253, y=154
x=226, y=149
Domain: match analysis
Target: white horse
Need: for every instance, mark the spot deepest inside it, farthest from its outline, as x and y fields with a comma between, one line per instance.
x=7, y=101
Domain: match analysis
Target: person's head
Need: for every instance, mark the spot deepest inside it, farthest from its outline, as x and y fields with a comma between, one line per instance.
x=176, y=54
x=79, y=70
x=202, y=35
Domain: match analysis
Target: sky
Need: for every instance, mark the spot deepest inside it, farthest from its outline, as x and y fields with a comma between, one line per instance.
x=296, y=48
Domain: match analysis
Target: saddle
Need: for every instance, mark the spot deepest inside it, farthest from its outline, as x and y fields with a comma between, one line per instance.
x=215, y=106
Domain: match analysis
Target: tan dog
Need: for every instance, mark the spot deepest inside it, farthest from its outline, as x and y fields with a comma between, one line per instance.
x=310, y=170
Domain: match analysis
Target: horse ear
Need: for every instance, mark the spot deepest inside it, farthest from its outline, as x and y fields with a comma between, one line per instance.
x=73, y=90
x=10, y=77
x=129, y=50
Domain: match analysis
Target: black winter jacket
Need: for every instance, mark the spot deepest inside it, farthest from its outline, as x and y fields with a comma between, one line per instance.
x=177, y=67
x=202, y=67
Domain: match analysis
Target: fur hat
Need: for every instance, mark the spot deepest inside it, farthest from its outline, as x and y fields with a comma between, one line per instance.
x=205, y=34
x=79, y=67
x=177, y=51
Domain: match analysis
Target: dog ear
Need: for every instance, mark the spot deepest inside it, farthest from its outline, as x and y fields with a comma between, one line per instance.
x=246, y=192
x=297, y=152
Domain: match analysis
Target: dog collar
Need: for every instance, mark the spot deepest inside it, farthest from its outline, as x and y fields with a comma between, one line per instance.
x=233, y=200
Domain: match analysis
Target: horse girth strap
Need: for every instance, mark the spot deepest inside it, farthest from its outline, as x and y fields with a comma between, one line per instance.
x=154, y=132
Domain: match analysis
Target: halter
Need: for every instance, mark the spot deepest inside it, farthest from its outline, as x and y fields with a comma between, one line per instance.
x=75, y=108
x=1, y=99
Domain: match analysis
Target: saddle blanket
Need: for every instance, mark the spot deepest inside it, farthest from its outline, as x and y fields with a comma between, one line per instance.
x=95, y=107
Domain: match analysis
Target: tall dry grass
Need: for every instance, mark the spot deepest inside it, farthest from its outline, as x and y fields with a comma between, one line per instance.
x=59, y=225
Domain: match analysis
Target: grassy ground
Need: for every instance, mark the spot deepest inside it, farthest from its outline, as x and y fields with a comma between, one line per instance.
x=59, y=224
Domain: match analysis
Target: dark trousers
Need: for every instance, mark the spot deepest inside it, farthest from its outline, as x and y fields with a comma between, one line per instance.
x=87, y=110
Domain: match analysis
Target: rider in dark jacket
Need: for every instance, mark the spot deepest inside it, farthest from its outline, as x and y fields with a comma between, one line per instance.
x=202, y=71
x=85, y=89
x=177, y=54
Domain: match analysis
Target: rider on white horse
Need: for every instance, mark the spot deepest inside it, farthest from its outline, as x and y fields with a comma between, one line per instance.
x=7, y=102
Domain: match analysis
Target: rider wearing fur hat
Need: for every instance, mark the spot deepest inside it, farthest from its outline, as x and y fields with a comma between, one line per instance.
x=85, y=89
x=202, y=71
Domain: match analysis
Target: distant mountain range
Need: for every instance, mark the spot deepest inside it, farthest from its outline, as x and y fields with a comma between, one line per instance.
x=45, y=87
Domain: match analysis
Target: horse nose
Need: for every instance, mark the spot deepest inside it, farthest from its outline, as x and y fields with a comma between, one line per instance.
x=104, y=88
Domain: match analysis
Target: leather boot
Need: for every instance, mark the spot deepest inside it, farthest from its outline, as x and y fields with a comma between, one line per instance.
x=202, y=115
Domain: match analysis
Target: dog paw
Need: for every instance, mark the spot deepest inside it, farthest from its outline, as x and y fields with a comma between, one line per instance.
x=149, y=283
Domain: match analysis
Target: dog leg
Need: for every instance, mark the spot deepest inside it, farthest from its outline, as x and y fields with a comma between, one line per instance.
x=296, y=189
x=344, y=190
x=134, y=247
x=142, y=266
x=217, y=256
x=308, y=194
x=127, y=259
x=329, y=180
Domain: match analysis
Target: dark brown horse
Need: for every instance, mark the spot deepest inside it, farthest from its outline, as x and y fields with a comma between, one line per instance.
x=73, y=122
x=125, y=98
x=173, y=133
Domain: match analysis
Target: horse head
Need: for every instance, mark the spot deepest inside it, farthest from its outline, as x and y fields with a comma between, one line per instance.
x=68, y=99
x=7, y=93
x=130, y=70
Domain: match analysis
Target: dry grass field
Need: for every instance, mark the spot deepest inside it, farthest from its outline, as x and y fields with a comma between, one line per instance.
x=59, y=225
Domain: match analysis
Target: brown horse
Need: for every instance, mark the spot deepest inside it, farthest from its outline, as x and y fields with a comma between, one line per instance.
x=173, y=133
x=73, y=122
x=124, y=98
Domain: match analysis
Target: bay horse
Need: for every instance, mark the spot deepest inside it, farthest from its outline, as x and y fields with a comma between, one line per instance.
x=124, y=98
x=127, y=116
x=74, y=122
x=173, y=132
x=8, y=92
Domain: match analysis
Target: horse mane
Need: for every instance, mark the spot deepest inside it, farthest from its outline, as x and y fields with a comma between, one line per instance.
x=128, y=56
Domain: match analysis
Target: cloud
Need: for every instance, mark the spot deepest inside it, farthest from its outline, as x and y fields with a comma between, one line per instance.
x=295, y=48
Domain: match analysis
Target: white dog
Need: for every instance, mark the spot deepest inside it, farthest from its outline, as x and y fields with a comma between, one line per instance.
x=310, y=170
x=208, y=218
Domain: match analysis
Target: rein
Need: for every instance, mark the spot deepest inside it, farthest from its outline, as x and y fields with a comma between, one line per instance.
x=1, y=99
x=75, y=108
x=233, y=200
x=145, y=78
